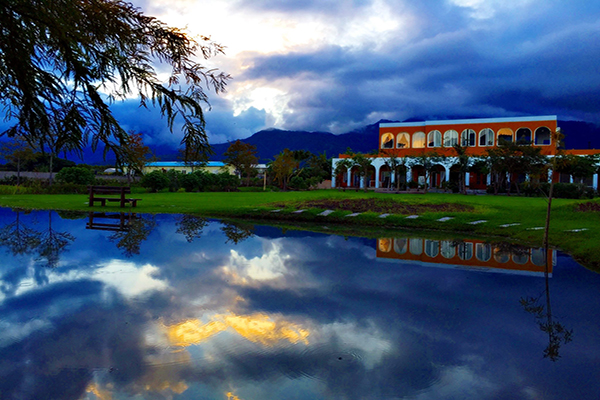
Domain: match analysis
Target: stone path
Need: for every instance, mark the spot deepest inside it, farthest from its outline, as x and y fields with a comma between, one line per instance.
x=412, y=217
x=325, y=213
x=275, y=210
x=481, y=221
x=444, y=219
x=353, y=214
x=508, y=225
x=384, y=215
x=298, y=211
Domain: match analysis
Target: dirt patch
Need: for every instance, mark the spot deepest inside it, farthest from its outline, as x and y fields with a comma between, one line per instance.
x=381, y=206
x=587, y=207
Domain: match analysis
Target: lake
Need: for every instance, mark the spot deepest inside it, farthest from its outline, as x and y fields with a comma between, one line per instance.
x=111, y=306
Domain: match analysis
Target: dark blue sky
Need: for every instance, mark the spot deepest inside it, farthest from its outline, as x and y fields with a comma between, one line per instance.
x=342, y=64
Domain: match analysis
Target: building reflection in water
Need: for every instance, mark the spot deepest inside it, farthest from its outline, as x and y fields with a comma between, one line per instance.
x=468, y=254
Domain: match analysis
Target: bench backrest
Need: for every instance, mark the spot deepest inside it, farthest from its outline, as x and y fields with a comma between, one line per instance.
x=109, y=190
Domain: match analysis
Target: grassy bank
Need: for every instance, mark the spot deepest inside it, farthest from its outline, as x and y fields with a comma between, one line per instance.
x=573, y=231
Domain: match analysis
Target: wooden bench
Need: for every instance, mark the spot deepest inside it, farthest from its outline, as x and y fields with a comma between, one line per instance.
x=99, y=193
x=116, y=222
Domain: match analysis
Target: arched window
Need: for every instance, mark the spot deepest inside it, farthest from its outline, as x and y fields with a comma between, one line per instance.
x=486, y=137
x=505, y=134
x=416, y=246
x=542, y=136
x=403, y=140
x=501, y=256
x=450, y=138
x=524, y=136
x=468, y=138
x=432, y=248
x=520, y=258
x=483, y=252
x=448, y=250
x=385, y=245
x=538, y=257
x=434, y=139
x=418, y=140
x=400, y=246
x=387, y=141
x=465, y=250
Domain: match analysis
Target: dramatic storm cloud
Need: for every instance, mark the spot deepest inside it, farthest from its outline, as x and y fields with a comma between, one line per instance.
x=342, y=64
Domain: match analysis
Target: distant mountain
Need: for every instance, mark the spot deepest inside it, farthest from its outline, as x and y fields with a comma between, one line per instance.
x=270, y=142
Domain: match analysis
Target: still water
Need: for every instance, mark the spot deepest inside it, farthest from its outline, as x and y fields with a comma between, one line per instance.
x=174, y=307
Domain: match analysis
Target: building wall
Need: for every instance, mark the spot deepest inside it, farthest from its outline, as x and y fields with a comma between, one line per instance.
x=214, y=168
x=496, y=125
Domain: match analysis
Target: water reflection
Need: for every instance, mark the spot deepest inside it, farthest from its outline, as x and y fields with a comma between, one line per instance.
x=477, y=254
x=216, y=311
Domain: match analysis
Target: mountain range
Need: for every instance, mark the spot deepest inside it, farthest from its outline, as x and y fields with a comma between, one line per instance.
x=270, y=142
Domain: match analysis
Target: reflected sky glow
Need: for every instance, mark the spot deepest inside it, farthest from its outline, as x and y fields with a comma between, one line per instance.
x=296, y=315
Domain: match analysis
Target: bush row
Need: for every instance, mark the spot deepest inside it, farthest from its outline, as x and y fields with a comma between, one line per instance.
x=198, y=181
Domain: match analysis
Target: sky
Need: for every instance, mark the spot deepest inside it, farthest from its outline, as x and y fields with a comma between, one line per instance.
x=191, y=315
x=338, y=65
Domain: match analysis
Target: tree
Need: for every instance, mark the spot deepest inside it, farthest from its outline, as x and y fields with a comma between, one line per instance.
x=17, y=152
x=428, y=161
x=60, y=69
x=342, y=167
x=283, y=167
x=396, y=164
x=363, y=163
x=242, y=157
x=463, y=162
x=136, y=154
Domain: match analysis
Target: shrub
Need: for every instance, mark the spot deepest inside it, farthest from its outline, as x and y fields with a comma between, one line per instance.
x=75, y=175
x=155, y=181
x=174, y=180
x=190, y=182
x=298, y=183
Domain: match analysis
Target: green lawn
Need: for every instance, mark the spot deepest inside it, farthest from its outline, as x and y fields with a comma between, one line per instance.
x=258, y=206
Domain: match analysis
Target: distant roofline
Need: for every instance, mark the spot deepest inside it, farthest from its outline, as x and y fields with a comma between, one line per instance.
x=182, y=164
x=468, y=121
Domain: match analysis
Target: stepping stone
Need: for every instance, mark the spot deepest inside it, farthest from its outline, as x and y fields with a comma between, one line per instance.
x=577, y=230
x=507, y=225
x=444, y=219
x=537, y=228
x=298, y=211
x=325, y=213
x=384, y=215
x=412, y=217
x=275, y=210
x=353, y=214
x=481, y=221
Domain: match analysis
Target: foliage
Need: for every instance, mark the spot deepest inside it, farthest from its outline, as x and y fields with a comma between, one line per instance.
x=58, y=57
x=513, y=159
x=190, y=226
x=155, y=181
x=221, y=182
x=136, y=154
x=396, y=164
x=189, y=182
x=241, y=156
x=284, y=166
x=77, y=175
x=174, y=177
x=363, y=163
x=428, y=161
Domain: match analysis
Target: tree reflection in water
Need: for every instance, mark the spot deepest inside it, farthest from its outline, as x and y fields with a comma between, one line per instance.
x=130, y=240
x=190, y=226
x=237, y=232
x=558, y=334
x=52, y=243
x=18, y=238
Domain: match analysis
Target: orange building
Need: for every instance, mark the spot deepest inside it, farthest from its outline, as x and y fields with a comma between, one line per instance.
x=413, y=139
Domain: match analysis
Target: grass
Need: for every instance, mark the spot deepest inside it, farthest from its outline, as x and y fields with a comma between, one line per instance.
x=529, y=212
